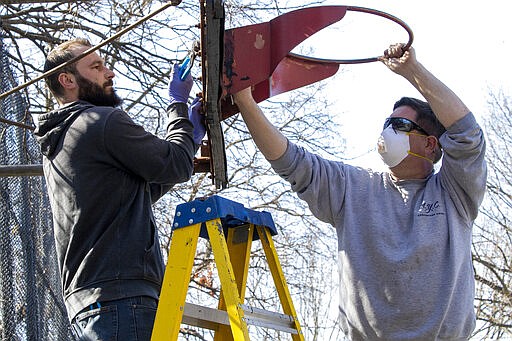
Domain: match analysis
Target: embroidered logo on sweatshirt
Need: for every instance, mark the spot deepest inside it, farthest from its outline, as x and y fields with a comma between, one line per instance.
x=429, y=209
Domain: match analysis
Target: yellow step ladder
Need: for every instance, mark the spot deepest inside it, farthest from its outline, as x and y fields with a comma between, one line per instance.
x=214, y=219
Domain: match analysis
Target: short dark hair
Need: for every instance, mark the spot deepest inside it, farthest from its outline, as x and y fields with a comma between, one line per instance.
x=60, y=55
x=425, y=118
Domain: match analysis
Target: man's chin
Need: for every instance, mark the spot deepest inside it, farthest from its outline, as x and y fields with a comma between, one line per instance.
x=107, y=101
x=98, y=95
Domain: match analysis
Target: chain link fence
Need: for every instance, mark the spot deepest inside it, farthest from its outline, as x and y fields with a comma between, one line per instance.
x=31, y=305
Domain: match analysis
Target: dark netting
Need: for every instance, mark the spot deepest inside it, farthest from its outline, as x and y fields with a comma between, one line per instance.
x=31, y=306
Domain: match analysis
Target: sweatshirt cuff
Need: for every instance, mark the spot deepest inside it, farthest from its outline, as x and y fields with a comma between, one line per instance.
x=465, y=123
x=286, y=159
x=177, y=110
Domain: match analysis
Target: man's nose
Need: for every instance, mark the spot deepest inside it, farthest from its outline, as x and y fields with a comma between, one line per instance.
x=109, y=74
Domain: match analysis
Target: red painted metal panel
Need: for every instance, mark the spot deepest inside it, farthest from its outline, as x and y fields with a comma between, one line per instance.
x=293, y=73
x=247, y=58
x=291, y=29
x=253, y=54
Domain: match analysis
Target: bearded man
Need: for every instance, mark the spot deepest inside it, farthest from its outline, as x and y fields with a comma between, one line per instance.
x=103, y=173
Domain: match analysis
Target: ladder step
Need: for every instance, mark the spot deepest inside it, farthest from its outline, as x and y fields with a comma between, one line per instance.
x=269, y=319
x=210, y=318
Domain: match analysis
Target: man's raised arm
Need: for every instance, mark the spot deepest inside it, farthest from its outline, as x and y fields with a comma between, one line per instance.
x=269, y=140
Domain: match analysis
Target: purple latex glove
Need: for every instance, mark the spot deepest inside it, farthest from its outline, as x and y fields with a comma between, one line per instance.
x=179, y=89
x=195, y=115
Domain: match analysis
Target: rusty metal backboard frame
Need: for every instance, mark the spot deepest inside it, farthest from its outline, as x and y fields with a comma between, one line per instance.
x=212, y=52
x=259, y=55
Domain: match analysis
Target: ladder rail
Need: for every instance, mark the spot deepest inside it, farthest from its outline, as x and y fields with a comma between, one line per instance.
x=231, y=295
x=174, y=292
x=279, y=279
x=239, y=242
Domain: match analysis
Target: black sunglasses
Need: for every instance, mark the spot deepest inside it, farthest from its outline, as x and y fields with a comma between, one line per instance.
x=403, y=124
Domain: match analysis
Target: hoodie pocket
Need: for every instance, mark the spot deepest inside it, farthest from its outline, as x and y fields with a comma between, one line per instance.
x=153, y=261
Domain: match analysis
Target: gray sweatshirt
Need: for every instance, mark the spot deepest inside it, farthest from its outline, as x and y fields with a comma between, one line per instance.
x=103, y=172
x=404, y=247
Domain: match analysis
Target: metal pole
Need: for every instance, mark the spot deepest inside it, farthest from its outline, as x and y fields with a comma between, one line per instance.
x=21, y=170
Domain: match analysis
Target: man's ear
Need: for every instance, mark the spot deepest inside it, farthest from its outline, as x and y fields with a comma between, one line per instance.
x=67, y=80
x=431, y=142
x=433, y=147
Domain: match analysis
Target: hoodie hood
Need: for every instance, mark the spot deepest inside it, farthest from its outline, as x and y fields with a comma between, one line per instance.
x=53, y=125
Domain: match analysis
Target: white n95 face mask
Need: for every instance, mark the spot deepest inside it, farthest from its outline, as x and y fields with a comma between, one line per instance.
x=393, y=146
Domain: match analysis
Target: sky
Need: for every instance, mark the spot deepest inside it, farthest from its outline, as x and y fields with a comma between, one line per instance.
x=465, y=44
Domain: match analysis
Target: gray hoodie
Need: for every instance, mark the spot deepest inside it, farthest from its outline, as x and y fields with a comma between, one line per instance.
x=103, y=172
x=404, y=247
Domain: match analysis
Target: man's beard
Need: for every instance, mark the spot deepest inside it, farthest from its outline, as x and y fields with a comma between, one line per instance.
x=95, y=94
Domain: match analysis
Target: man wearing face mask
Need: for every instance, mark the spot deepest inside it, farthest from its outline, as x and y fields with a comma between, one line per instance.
x=103, y=173
x=404, y=236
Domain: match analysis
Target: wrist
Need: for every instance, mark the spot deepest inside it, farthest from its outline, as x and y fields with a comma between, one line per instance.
x=243, y=97
x=414, y=73
x=177, y=110
x=173, y=100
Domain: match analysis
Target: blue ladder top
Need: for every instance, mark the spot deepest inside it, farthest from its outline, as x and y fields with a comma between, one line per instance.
x=231, y=213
